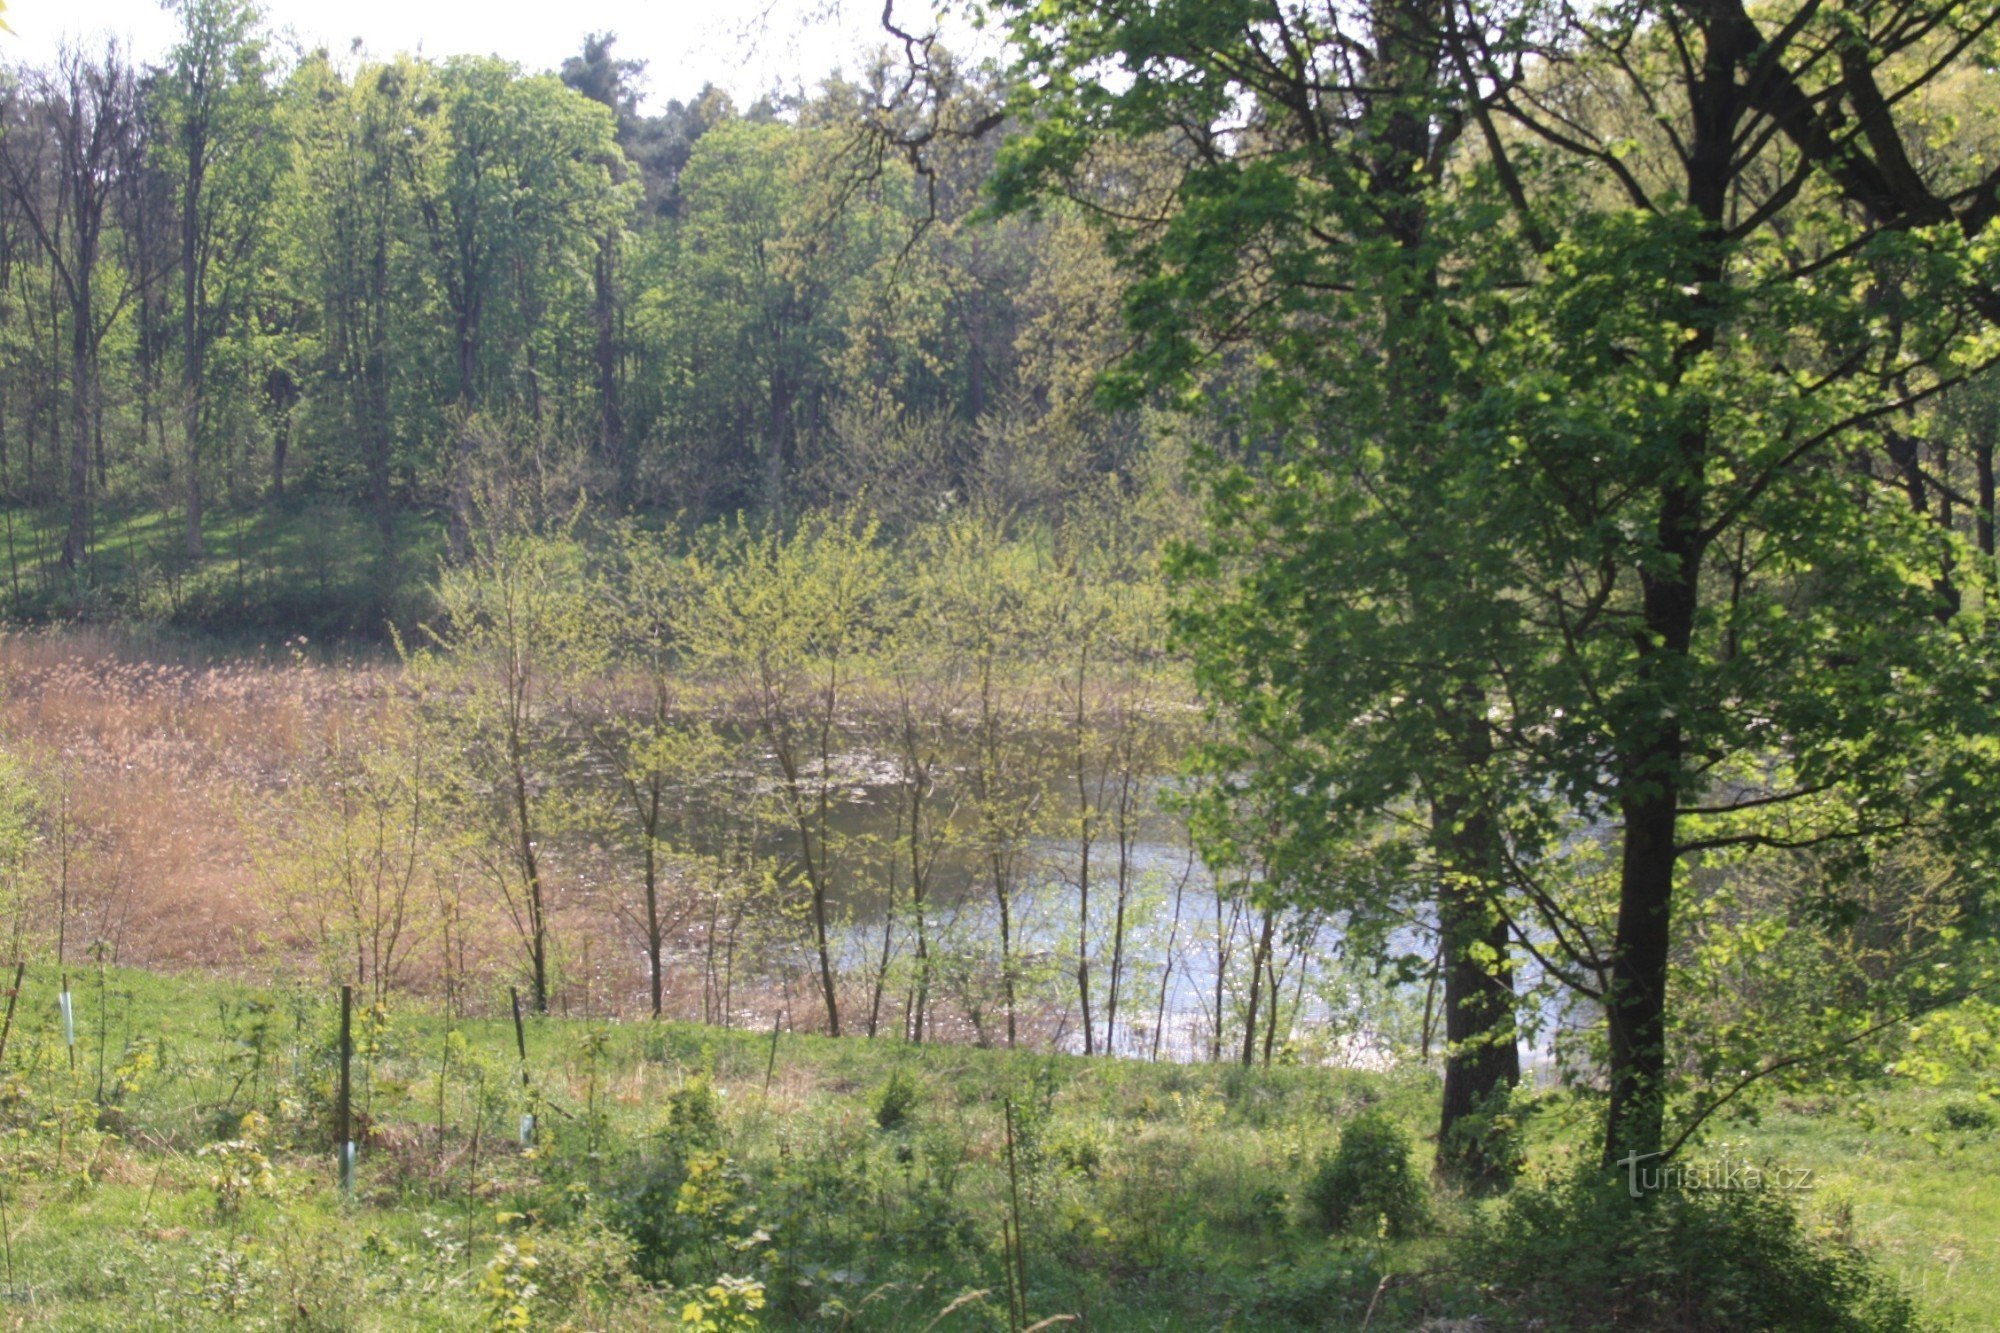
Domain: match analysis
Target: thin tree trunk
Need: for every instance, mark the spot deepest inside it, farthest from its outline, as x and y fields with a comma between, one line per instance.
x=1259, y=958
x=1982, y=463
x=83, y=386
x=192, y=349
x=610, y=412
x=655, y=937
x=1086, y=826
x=1125, y=834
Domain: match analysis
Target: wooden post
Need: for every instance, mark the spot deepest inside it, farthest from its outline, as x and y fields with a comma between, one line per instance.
x=771, y=1066
x=7, y=1026
x=527, y=1088
x=7, y=1240
x=343, y=1108
x=68, y=1009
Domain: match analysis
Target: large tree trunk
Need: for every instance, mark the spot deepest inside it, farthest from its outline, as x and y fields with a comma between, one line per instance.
x=1482, y=1059
x=1636, y=1006
x=1650, y=780
x=1651, y=768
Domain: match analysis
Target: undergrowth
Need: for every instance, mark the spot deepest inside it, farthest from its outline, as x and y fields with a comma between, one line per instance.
x=661, y=1183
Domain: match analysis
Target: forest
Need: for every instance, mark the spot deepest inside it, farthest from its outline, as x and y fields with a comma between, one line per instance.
x=1231, y=665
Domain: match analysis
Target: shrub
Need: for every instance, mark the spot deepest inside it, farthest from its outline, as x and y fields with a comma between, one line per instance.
x=726, y=1305
x=507, y=1287
x=1579, y=1252
x=897, y=1100
x=238, y=1168
x=694, y=1114
x=227, y=1280
x=1033, y=1099
x=1328, y=1290
x=576, y=1265
x=1960, y=1117
x=1368, y=1181
x=932, y=1224
x=1485, y=1149
x=643, y=1209
x=1077, y=1150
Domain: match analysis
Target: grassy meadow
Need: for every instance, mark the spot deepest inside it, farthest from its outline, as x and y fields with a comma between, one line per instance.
x=176, y=1170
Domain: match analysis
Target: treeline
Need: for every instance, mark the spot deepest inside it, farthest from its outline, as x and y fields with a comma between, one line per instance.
x=247, y=279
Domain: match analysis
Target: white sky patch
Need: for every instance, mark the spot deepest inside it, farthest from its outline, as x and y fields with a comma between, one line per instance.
x=748, y=47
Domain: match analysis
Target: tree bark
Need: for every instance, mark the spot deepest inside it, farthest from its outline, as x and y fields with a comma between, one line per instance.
x=610, y=412
x=1650, y=778
x=1482, y=1059
x=83, y=402
x=192, y=334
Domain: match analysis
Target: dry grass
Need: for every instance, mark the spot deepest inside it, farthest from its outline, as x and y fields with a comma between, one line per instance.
x=161, y=754
x=173, y=764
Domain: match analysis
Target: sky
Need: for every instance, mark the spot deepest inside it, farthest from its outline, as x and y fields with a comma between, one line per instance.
x=745, y=46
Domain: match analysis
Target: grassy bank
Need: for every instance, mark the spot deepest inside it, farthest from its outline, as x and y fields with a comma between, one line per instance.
x=307, y=566
x=863, y=1184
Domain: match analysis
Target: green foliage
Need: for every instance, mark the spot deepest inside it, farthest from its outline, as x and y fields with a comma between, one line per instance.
x=1540, y=531
x=226, y=1280
x=726, y=1305
x=1152, y=1196
x=1576, y=1252
x=1964, y=1116
x=1492, y=1139
x=1367, y=1183
x=694, y=1114
x=320, y=283
x=238, y=1170
x=897, y=1100
x=642, y=1207
x=508, y=1287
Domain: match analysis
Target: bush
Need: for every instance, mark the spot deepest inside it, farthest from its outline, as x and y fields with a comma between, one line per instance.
x=1485, y=1149
x=1961, y=1117
x=694, y=1115
x=1368, y=1181
x=1327, y=1290
x=643, y=1210
x=897, y=1100
x=1580, y=1253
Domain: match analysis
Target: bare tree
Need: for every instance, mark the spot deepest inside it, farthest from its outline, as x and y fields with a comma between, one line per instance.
x=71, y=129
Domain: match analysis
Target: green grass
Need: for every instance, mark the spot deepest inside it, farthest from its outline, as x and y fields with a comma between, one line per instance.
x=1152, y=1197
x=305, y=566
x=1920, y=1194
